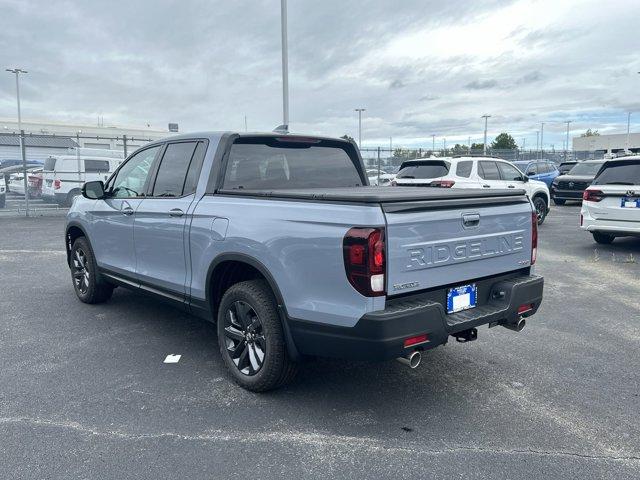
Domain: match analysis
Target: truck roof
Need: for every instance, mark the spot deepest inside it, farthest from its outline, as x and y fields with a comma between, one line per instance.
x=215, y=136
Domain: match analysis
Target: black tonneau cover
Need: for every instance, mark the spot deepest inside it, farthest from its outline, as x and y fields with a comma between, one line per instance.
x=384, y=195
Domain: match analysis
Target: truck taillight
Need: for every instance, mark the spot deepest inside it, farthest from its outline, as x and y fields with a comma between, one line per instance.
x=442, y=183
x=56, y=184
x=592, y=195
x=364, y=260
x=534, y=236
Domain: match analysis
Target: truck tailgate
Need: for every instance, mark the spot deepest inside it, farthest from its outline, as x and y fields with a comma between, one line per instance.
x=431, y=244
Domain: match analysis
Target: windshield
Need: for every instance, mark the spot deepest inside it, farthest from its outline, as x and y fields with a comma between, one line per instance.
x=586, y=168
x=426, y=169
x=269, y=163
x=620, y=173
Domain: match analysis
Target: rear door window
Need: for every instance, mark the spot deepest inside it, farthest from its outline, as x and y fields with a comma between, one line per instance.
x=173, y=168
x=619, y=173
x=194, y=169
x=463, y=169
x=488, y=170
x=424, y=169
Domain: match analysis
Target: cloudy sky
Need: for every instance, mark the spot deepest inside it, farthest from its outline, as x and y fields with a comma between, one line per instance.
x=419, y=67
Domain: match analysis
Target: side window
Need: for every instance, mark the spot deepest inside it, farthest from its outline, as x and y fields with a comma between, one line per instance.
x=488, y=170
x=96, y=166
x=172, y=173
x=464, y=168
x=131, y=178
x=533, y=169
x=509, y=172
x=194, y=169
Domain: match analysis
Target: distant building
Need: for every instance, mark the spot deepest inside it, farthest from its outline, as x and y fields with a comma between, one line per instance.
x=47, y=138
x=602, y=143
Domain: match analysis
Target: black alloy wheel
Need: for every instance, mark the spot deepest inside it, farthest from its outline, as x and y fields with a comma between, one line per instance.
x=244, y=338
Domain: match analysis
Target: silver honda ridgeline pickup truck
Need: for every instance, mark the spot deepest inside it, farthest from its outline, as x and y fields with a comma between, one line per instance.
x=280, y=240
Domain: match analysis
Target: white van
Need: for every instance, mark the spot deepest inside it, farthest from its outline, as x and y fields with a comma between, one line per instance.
x=61, y=180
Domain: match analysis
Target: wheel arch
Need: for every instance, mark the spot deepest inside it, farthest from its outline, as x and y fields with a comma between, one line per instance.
x=227, y=262
x=73, y=231
x=543, y=194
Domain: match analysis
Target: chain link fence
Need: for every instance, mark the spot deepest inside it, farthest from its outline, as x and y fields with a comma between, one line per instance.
x=388, y=159
x=40, y=173
x=28, y=175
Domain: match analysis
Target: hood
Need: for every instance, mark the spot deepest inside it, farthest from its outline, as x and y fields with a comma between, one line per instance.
x=574, y=178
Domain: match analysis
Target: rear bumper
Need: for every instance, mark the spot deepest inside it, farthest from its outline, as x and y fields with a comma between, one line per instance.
x=609, y=226
x=380, y=335
x=566, y=194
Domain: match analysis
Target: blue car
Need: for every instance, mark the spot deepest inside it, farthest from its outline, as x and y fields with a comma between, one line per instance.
x=542, y=170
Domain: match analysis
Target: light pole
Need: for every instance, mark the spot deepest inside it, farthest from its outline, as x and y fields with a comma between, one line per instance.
x=484, y=149
x=628, y=128
x=17, y=72
x=541, y=140
x=285, y=66
x=360, y=110
x=566, y=152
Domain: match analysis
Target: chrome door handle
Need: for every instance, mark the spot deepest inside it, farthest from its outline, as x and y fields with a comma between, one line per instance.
x=176, y=212
x=127, y=211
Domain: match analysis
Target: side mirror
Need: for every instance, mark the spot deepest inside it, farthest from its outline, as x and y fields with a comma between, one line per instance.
x=93, y=190
x=530, y=173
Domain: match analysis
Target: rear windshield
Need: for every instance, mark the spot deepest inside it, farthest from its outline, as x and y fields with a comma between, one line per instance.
x=425, y=169
x=620, y=173
x=257, y=164
x=49, y=164
x=586, y=168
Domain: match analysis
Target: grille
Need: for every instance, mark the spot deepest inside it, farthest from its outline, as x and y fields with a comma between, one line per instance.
x=573, y=186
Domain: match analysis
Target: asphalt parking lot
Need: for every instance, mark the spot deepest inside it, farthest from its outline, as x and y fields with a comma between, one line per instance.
x=85, y=392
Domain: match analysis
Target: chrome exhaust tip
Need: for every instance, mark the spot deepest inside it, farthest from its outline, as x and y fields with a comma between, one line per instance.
x=411, y=360
x=516, y=327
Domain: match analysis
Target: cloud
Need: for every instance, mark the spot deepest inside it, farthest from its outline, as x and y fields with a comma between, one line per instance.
x=417, y=66
x=481, y=84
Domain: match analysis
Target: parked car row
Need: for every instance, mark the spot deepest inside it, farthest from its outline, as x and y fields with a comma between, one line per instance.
x=474, y=172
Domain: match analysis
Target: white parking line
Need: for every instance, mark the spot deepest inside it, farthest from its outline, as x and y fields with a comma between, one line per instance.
x=171, y=358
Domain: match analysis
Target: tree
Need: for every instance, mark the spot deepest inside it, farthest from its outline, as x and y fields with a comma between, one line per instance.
x=348, y=138
x=590, y=133
x=477, y=146
x=504, y=141
x=460, y=149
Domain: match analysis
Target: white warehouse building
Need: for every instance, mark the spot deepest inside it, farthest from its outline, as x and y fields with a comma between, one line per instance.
x=616, y=142
x=44, y=138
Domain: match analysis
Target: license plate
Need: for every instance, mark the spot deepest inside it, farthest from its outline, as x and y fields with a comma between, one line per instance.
x=461, y=298
x=628, y=202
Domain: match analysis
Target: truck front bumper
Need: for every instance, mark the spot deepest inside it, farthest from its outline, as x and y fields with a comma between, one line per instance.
x=380, y=335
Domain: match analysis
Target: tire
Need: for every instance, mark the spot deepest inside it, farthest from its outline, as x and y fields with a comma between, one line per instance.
x=3, y=201
x=248, y=323
x=559, y=201
x=540, y=205
x=88, y=287
x=603, y=238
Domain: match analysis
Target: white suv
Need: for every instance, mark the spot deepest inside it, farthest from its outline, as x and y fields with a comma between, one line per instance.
x=611, y=205
x=473, y=172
